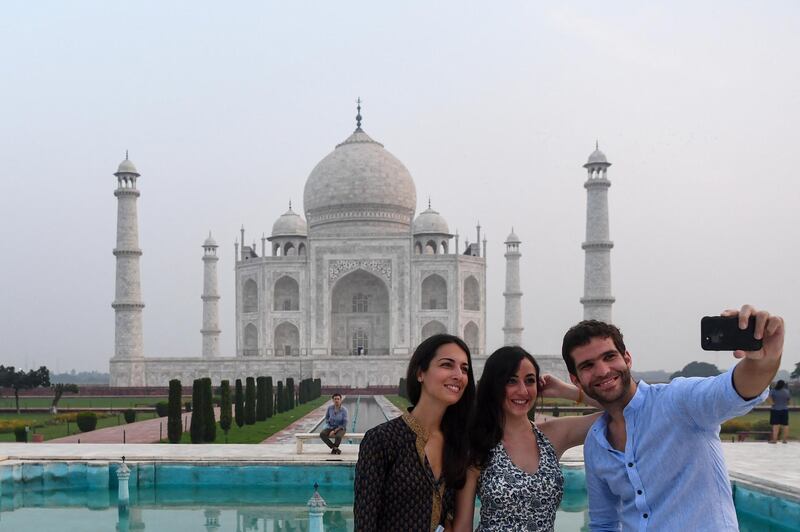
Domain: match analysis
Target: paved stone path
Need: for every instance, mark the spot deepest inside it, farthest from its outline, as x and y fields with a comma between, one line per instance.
x=304, y=424
x=147, y=431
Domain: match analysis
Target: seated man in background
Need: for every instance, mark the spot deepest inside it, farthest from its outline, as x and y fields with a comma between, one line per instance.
x=335, y=424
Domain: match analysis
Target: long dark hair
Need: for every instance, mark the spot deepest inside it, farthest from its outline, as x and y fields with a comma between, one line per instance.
x=456, y=417
x=486, y=425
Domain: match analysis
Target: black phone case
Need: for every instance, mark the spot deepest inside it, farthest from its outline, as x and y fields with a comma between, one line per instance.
x=722, y=333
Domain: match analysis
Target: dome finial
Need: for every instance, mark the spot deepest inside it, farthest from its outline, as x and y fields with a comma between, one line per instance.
x=290, y=205
x=358, y=116
x=596, y=144
x=126, y=155
x=429, y=202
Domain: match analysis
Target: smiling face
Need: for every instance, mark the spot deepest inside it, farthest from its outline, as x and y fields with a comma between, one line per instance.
x=447, y=375
x=521, y=390
x=603, y=372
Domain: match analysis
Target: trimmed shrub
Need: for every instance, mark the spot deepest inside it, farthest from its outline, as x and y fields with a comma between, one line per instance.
x=162, y=408
x=317, y=388
x=21, y=434
x=250, y=401
x=209, y=421
x=174, y=421
x=261, y=399
x=280, y=401
x=270, y=396
x=87, y=421
x=187, y=406
x=238, y=402
x=290, y=393
x=733, y=426
x=401, y=388
x=225, y=406
x=130, y=415
x=196, y=429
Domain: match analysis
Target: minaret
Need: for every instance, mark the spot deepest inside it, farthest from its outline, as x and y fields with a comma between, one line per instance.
x=512, y=330
x=210, y=297
x=127, y=303
x=597, y=298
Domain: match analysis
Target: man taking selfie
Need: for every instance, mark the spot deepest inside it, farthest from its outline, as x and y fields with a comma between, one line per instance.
x=654, y=460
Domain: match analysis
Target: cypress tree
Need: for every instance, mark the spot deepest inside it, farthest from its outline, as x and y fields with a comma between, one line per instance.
x=209, y=422
x=196, y=431
x=261, y=399
x=250, y=401
x=270, y=394
x=317, y=388
x=289, y=393
x=238, y=401
x=174, y=424
x=281, y=397
x=225, y=407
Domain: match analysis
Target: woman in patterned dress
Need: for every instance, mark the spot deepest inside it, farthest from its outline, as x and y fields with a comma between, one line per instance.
x=515, y=469
x=410, y=467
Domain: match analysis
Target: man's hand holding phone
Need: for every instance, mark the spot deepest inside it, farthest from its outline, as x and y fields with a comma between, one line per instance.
x=768, y=329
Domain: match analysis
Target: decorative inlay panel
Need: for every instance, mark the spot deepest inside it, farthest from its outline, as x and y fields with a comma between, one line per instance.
x=339, y=267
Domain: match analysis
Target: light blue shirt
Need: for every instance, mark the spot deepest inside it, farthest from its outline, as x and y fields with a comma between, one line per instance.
x=336, y=419
x=672, y=475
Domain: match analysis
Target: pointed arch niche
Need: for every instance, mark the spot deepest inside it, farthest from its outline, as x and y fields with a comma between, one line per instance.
x=286, y=294
x=360, y=313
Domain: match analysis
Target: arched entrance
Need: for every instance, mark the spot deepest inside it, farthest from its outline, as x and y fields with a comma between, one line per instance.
x=360, y=318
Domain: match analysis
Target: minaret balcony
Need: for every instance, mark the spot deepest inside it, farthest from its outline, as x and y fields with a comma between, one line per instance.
x=599, y=244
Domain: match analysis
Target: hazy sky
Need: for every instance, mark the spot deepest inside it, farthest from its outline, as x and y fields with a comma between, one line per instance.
x=226, y=108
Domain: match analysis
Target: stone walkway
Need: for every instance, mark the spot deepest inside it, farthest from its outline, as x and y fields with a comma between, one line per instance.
x=147, y=431
x=304, y=424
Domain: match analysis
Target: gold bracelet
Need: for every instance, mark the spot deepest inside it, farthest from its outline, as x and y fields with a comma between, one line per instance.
x=579, y=400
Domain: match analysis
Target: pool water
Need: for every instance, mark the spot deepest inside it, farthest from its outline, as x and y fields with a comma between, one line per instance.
x=267, y=498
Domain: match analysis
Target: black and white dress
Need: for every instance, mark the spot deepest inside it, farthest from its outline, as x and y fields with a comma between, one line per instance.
x=512, y=499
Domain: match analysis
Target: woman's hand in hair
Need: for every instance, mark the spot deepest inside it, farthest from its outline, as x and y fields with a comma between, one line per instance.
x=552, y=386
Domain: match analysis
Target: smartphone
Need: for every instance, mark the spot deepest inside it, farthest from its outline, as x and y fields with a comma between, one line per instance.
x=722, y=333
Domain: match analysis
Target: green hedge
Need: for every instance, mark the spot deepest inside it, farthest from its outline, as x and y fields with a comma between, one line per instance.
x=225, y=406
x=250, y=401
x=87, y=421
x=196, y=431
x=261, y=399
x=238, y=404
x=174, y=421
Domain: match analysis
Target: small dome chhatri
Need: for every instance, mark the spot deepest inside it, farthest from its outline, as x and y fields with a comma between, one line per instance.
x=210, y=242
x=289, y=224
x=127, y=166
x=513, y=238
x=430, y=222
x=597, y=157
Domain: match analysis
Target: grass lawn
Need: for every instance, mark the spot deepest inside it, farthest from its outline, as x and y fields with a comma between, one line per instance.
x=400, y=402
x=794, y=423
x=86, y=402
x=38, y=422
x=262, y=429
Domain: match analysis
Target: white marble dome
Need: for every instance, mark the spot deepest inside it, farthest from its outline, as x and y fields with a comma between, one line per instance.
x=289, y=224
x=127, y=167
x=597, y=157
x=430, y=222
x=512, y=238
x=210, y=242
x=360, y=181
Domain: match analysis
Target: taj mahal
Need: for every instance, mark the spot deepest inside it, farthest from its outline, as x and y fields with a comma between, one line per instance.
x=345, y=292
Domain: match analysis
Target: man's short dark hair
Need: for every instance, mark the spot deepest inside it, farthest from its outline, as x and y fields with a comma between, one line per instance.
x=335, y=395
x=582, y=333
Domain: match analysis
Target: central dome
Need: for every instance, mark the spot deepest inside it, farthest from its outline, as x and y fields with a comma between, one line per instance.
x=360, y=182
